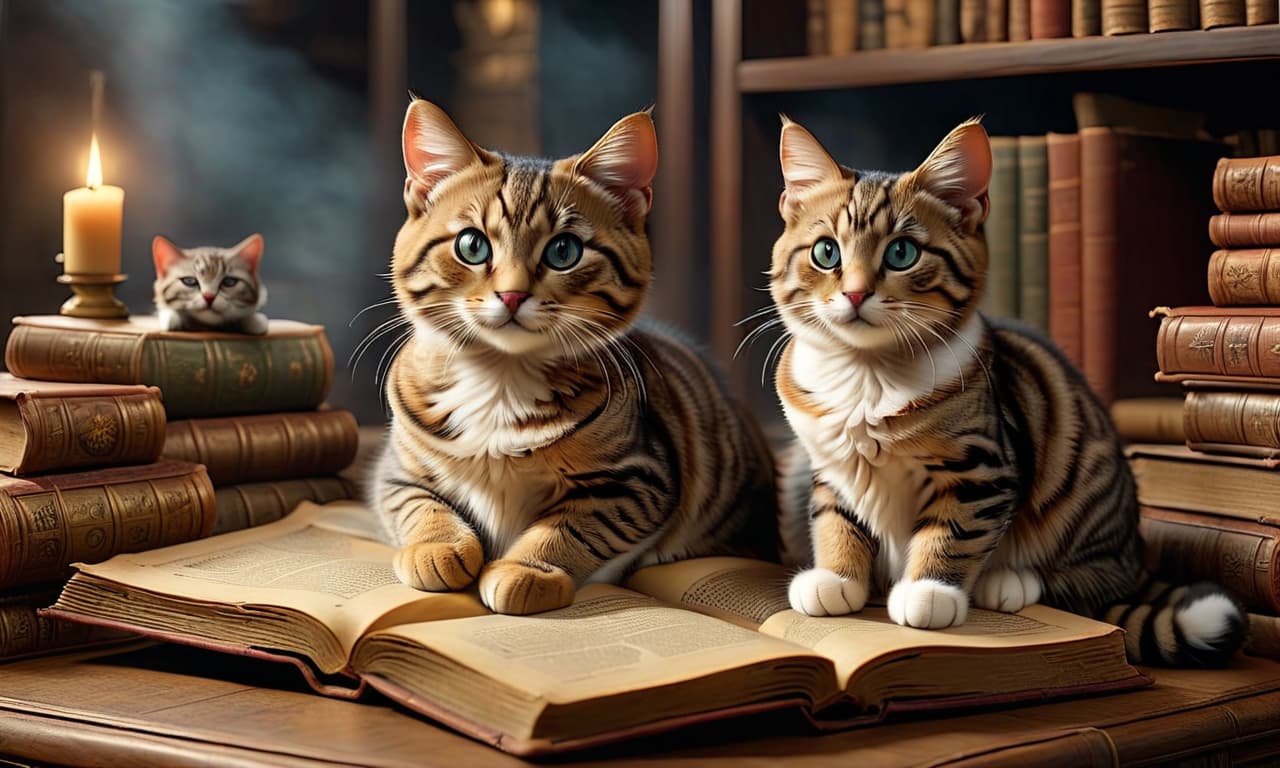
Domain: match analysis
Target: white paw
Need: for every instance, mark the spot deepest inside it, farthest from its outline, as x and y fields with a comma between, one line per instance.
x=1006, y=589
x=820, y=592
x=927, y=604
x=255, y=324
x=170, y=320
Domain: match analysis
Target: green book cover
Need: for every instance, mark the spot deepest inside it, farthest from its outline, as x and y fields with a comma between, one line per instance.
x=1001, y=228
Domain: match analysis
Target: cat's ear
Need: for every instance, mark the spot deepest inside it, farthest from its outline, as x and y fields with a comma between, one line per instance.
x=805, y=163
x=959, y=172
x=165, y=253
x=250, y=249
x=624, y=161
x=434, y=148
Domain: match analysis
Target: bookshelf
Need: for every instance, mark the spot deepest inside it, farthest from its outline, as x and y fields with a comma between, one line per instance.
x=755, y=73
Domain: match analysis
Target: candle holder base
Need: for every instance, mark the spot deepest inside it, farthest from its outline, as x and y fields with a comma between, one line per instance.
x=94, y=296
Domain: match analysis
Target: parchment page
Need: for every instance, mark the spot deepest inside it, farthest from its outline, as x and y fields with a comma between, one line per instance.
x=744, y=591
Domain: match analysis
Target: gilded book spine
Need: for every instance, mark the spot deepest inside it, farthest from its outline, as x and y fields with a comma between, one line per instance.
x=1238, y=554
x=1124, y=17
x=1222, y=13
x=65, y=433
x=278, y=446
x=253, y=504
x=1173, y=15
x=1261, y=12
x=198, y=376
x=48, y=523
x=1245, y=230
x=1247, y=183
x=1236, y=418
x=23, y=632
x=1244, y=278
x=1231, y=345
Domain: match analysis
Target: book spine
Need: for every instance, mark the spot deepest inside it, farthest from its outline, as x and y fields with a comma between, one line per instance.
x=1124, y=17
x=870, y=24
x=946, y=29
x=1240, y=345
x=1149, y=420
x=1086, y=18
x=1238, y=554
x=842, y=26
x=973, y=21
x=1063, y=152
x=1245, y=230
x=908, y=23
x=1222, y=13
x=66, y=433
x=42, y=532
x=1002, y=18
x=23, y=632
x=45, y=354
x=272, y=447
x=1001, y=229
x=253, y=504
x=1242, y=184
x=1033, y=231
x=1239, y=418
x=1243, y=278
x=1099, y=161
x=1173, y=15
x=816, y=28
x=1264, y=637
x=1261, y=12
x=1051, y=18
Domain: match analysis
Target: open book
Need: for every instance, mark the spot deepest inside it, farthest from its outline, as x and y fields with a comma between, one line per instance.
x=678, y=643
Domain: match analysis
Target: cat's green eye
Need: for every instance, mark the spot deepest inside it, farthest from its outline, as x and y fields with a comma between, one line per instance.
x=901, y=254
x=472, y=247
x=563, y=252
x=825, y=253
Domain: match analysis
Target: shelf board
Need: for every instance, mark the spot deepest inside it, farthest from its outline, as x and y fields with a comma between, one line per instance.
x=980, y=60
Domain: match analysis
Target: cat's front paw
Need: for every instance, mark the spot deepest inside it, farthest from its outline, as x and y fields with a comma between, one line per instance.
x=436, y=566
x=927, y=604
x=515, y=587
x=170, y=320
x=820, y=592
x=255, y=324
x=1007, y=589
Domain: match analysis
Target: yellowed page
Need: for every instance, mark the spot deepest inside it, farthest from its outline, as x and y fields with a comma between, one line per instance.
x=744, y=591
x=322, y=561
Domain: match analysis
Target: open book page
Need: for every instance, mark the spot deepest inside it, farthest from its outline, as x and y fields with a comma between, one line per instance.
x=321, y=561
x=744, y=591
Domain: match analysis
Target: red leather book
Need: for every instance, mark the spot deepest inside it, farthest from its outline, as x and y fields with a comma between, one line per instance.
x=1065, y=321
x=1247, y=184
x=1245, y=230
x=1246, y=277
x=1050, y=18
x=1244, y=343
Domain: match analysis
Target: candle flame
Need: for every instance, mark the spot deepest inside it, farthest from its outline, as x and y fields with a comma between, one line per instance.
x=94, y=177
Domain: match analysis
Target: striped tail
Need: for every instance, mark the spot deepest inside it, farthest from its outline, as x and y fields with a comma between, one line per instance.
x=1199, y=625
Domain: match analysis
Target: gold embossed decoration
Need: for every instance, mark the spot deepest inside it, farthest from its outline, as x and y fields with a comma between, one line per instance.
x=98, y=431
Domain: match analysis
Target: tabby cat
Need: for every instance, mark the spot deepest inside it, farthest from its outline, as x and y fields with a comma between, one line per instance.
x=538, y=439
x=942, y=457
x=210, y=288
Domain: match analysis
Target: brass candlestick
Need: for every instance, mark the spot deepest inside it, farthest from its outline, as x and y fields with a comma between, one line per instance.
x=94, y=296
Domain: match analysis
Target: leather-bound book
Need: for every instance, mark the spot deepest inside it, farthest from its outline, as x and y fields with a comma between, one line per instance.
x=1086, y=18
x=842, y=26
x=1245, y=230
x=1003, y=16
x=1001, y=230
x=1264, y=637
x=908, y=23
x=1033, y=232
x=1176, y=477
x=1173, y=15
x=815, y=27
x=252, y=504
x=1242, y=184
x=1063, y=152
x=1124, y=17
x=946, y=28
x=973, y=21
x=1236, y=423
x=1261, y=12
x=199, y=374
x=870, y=24
x=1240, y=555
x=1139, y=194
x=1240, y=345
x=1222, y=13
x=273, y=446
x=1051, y=18
x=1244, y=277
x=51, y=521
x=23, y=632
x=51, y=427
x=1149, y=419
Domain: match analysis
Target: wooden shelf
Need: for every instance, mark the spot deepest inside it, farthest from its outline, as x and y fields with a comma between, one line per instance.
x=1035, y=57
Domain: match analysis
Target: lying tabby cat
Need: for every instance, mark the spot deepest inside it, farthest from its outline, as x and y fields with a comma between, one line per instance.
x=538, y=439
x=944, y=457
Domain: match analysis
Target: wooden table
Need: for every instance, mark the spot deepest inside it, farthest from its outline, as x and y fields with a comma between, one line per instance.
x=176, y=706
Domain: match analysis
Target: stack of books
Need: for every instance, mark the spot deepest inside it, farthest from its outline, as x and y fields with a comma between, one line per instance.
x=1209, y=507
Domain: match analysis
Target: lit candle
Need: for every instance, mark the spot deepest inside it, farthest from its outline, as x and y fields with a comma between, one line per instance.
x=91, y=223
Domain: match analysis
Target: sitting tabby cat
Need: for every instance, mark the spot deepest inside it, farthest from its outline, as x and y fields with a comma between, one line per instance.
x=210, y=288
x=538, y=439
x=943, y=457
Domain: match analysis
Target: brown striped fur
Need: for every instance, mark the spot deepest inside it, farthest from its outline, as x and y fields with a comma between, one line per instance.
x=538, y=444
x=950, y=459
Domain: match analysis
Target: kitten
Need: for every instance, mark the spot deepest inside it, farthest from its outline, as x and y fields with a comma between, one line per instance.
x=538, y=438
x=942, y=457
x=210, y=288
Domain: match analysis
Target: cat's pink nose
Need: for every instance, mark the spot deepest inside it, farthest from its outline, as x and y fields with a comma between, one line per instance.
x=208, y=298
x=856, y=297
x=513, y=299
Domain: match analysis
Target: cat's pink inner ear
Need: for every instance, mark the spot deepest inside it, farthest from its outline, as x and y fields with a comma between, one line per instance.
x=164, y=253
x=624, y=161
x=250, y=249
x=434, y=148
x=959, y=171
x=805, y=162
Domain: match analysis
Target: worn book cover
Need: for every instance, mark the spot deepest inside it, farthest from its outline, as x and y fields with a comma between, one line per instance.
x=274, y=446
x=1176, y=477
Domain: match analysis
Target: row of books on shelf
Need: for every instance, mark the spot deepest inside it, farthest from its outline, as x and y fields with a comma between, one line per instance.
x=115, y=437
x=1208, y=464
x=838, y=27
